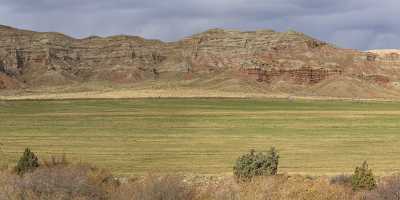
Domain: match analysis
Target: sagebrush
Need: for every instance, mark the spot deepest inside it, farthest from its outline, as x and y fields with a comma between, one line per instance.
x=363, y=178
x=255, y=164
x=27, y=163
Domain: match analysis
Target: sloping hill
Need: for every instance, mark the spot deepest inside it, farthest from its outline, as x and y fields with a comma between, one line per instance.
x=262, y=61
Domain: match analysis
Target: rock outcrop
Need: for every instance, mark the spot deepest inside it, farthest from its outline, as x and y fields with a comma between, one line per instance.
x=31, y=59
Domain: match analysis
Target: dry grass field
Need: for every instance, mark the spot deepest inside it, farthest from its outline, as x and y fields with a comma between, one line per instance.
x=204, y=136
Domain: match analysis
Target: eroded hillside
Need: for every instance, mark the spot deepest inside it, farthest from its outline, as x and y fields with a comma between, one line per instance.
x=261, y=61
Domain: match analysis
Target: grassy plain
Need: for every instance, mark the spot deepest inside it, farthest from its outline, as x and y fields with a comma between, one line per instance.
x=205, y=136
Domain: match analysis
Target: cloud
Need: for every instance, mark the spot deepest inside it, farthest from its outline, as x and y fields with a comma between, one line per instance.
x=360, y=24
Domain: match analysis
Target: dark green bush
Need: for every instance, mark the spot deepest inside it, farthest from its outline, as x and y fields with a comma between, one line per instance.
x=255, y=164
x=27, y=163
x=363, y=178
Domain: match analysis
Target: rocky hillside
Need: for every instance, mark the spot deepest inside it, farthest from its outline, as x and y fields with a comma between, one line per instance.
x=259, y=61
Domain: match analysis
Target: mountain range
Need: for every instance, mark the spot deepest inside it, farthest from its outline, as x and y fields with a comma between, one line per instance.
x=258, y=62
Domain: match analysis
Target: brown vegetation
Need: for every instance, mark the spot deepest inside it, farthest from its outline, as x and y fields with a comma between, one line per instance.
x=58, y=179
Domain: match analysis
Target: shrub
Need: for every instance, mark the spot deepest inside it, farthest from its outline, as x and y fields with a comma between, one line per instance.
x=225, y=188
x=363, y=178
x=389, y=188
x=27, y=163
x=255, y=164
x=168, y=187
x=341, y=179
x=56, y=161
x=59, y=182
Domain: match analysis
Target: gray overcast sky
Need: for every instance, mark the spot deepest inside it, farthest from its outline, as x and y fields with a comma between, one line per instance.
x=360, y=24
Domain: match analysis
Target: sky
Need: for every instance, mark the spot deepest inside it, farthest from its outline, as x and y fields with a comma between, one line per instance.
x=358, y=24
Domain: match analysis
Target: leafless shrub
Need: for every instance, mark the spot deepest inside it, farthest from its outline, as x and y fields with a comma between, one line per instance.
x=388, y=188
x=57, y=180
x=227, y=189
x=168, y=187
x=342, y=179
x=280, y=187
x=277, y=188
x=56, y=161
x=70, y=182
x=8, y=189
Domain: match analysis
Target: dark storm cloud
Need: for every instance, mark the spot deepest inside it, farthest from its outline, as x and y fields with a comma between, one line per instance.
x=361, y=24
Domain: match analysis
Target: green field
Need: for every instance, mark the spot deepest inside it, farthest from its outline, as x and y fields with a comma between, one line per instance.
x=204, y=136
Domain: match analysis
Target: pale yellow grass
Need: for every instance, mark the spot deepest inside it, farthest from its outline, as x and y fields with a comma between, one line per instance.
x=144, y=93
x=165, y=93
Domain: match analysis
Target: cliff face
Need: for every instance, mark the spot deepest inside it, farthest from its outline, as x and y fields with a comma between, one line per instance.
x=52, y=58
x=30, y=59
